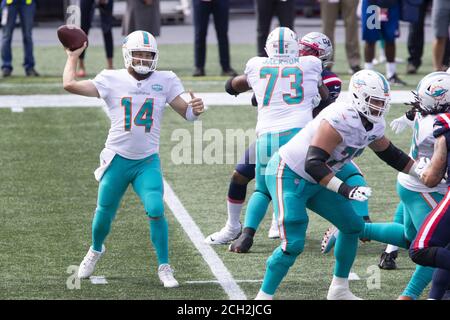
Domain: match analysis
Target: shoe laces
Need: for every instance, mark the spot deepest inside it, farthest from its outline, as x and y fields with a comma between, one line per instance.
x=166, y=271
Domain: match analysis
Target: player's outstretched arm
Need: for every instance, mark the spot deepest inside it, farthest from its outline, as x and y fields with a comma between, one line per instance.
x=393, y=156
x=83, y=88
x=188, y=110
x=433, y=174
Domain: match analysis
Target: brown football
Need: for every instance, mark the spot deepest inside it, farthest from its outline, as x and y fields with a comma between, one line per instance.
x=71, y=36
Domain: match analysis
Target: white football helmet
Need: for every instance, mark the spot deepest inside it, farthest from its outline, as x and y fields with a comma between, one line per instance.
x=370, y=94
x=282, y=44
x=140, y=41
x=433, y=93
x=319, y=45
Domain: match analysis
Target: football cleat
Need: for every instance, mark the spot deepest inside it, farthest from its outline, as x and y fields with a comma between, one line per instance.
x=329, y=239
x=387, y=261
x=242, y=244
x=224, y=236
x=263, y=296
x=87, y=266
x=341, y=293
x=165, y=274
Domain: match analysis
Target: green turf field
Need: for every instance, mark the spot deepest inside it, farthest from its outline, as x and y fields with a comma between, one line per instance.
x=48, y=196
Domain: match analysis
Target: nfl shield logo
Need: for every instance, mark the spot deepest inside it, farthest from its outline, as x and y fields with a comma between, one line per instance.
x=139, y=84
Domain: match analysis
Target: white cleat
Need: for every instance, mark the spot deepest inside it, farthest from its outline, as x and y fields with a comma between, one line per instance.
x=340, y=293
x=263, y=296
x=224, y=236
x=87, y=266
x=165, y=274
x=274, y=232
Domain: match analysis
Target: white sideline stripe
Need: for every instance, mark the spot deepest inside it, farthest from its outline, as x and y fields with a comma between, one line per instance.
x=209, y=98
x=216, y=281
x=224, y=277
x=16, y=109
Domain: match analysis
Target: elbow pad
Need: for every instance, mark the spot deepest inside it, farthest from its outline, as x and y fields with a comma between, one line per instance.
x=394, y=157
x=229, y=87
x=315, y=164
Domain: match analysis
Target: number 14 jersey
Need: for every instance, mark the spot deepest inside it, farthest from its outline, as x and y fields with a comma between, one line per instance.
x=135, y=109
x=284, y=90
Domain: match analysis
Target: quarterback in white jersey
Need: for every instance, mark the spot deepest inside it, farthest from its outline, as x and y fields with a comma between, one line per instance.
x=285, y=86
x=135, y=99
x=302, y=175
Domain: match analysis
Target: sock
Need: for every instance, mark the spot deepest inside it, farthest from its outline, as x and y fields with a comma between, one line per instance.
x=236, y=199
x=368, y=65
x=390, y=69
x=159, y=234
x=256, y=210
x=418, y=282
x=391, y=233
x=345, y=253
x=340, y=282
x=100, y=228
x=390, y=248
x=441, y=282
x=234, y=214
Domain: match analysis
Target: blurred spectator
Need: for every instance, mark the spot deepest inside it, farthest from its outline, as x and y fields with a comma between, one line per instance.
x=142, y=15
x=416, y=39
x=220, y=10
x=87, y=8
x=265, y=10
x=26, y=10
x=441, y=22
x=381, y=23
x=330, y=12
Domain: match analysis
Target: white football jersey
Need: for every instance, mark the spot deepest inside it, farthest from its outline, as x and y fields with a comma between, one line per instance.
x=284, y=90
x=347, y=122
x=422, y=145
x=135, y=109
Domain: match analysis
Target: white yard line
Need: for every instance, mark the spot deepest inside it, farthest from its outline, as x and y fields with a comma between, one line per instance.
x=209, y=98
x=216, y=281
x=224, y=277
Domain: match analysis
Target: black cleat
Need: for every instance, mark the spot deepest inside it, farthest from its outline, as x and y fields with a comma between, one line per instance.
x=396, y=81
x=387, y=261
x=244, y=242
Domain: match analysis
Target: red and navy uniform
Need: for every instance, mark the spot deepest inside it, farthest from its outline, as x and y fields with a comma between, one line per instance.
x=334, y=84
x=431, y=247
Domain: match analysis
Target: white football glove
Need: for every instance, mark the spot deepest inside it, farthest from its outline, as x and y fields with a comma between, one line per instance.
x=400, y=124
x=360, y=193
x=421, y=165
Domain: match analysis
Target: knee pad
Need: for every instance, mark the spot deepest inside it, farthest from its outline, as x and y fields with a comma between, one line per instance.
x=424, y=257
x=353, y=226
x=154, y=205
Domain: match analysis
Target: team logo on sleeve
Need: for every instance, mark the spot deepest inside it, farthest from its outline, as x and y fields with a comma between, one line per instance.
x=157, y=87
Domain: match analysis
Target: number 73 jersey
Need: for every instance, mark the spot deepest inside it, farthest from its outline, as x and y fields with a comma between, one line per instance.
x=284, y=90
x=135, y=109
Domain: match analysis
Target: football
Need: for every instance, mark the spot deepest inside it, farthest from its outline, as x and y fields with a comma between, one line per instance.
x=71, y=36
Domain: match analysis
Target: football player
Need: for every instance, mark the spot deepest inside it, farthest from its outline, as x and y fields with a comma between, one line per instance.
x=431, y=247
x=135, y=98
x=302, y=175
x=416, y=199
x=285, y=86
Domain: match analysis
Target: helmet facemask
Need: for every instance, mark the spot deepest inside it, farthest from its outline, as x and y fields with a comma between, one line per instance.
x=307, y=49
x=374, y=108
x=139, y=64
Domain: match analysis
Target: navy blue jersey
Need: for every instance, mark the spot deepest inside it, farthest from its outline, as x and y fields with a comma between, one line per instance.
x=441, y=127
x=334, y=84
